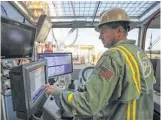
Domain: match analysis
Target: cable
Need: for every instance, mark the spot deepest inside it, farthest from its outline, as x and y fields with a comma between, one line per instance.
x=155, y=41
x=4, y=10
x=62, y=44
x=152, y=44
x=71, y=31
x=24, y=20
x=74, y=40
x=55, y=39
x=6, y=65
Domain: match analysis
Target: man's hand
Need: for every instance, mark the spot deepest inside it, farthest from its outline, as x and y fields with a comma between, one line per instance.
x=49, y=89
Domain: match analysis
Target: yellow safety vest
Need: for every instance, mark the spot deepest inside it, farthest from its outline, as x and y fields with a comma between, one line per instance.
x=130, y=59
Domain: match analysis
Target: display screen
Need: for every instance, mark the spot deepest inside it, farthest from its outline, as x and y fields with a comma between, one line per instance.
x=46, y=26
x=58, y=63
x=17, y=39
x=37, y=79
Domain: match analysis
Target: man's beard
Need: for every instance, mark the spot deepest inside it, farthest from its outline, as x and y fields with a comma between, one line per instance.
x=112, y=43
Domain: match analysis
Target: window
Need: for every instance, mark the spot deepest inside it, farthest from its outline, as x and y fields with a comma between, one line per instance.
x=153, y=37
x=152, y=43
x=133, y=35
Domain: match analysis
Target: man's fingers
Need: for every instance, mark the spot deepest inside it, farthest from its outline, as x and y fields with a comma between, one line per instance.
x=49, y=91
x=46, y=85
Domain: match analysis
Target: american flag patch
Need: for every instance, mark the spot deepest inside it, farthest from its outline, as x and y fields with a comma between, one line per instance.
x=106, y=73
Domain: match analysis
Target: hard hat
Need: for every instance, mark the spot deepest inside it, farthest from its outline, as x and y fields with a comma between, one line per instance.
x=114, y=15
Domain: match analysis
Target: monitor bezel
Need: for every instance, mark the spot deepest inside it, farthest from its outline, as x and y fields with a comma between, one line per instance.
x=58, y=53
x=40, y=26
x=27, y=68
x=26, y=26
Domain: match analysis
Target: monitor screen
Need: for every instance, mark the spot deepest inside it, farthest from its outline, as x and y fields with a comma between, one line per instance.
x=17, y=39
x=43, y=27
x=58, y=63
x=37, y=79
x=27, y=87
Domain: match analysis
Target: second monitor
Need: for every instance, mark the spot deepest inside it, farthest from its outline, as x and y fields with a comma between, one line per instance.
x=58, y=63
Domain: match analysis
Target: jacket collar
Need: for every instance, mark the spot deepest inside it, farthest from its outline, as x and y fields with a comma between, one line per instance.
x=124, y=42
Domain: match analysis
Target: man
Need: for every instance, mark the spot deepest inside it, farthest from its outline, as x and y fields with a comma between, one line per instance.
x=121, y=85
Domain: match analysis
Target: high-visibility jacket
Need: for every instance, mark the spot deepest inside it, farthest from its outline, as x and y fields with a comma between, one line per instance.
x=120, y=87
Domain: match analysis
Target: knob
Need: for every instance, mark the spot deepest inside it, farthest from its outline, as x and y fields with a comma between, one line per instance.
x=51, y=98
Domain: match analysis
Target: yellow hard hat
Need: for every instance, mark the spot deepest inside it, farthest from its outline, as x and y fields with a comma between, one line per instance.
x=114, y=15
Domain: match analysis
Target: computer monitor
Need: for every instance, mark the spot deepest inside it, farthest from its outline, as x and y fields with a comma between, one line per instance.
x=58, y=63
x=43, y=27
x=17, y=39
x=27, y=87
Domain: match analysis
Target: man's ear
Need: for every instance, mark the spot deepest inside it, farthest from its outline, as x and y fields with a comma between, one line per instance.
x=120, y=29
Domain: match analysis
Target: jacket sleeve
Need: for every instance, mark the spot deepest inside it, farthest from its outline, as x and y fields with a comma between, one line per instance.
x=99, y=89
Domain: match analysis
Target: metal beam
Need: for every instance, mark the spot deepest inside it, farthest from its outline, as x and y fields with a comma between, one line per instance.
x=79, y=17
x=155, y=24
x=21, y=12
x=71, y=24
x=95, y=12
x=77, y=24
x=69, y=17
x=140, y=36
x=151, y=7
